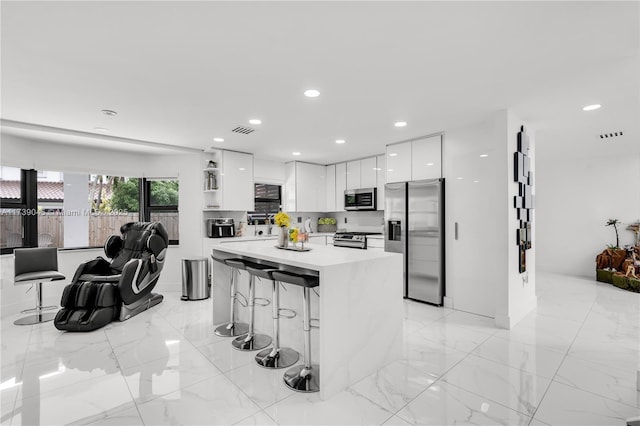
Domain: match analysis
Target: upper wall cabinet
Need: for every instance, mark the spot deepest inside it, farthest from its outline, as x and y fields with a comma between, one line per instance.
x=341, y=185
x=398, y=162
x=361, y=173
x=331, y=187
x=305, y=189
x=368, y=176
x=415, y=160
x=237, y=181
x=353, y=175
x=426, y=158
x=380, y=180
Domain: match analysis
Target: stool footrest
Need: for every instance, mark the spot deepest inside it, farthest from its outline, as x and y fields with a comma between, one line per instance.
x=289, y=313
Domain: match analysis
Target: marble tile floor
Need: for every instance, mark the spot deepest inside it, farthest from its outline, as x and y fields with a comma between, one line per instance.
x=572, y=362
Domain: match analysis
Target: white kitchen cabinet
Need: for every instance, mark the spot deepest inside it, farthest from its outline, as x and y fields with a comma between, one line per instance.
x=305, y=187
x=398, y=162
x=331, y=187
x=380, y=181
x=237, y=181
x=368, y=168
x=353, y=175
x=341, y=185
x=426, y=158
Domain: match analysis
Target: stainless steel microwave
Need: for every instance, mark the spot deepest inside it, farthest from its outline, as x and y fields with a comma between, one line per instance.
x=360, y=199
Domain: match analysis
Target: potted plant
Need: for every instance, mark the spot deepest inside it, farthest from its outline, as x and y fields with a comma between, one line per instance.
x=327, y=224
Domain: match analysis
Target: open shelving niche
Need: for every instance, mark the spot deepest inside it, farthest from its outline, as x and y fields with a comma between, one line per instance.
x=212, y=196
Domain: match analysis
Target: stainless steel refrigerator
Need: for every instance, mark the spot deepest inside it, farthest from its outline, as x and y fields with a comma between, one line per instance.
x=414, y=225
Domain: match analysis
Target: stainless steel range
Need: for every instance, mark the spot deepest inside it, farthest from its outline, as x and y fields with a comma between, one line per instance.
x=352, y=239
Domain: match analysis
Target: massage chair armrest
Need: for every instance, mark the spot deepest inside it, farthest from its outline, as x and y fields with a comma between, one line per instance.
x=97, y=266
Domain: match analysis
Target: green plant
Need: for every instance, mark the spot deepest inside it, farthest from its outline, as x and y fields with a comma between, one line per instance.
x=614, y=223
x=326, y=221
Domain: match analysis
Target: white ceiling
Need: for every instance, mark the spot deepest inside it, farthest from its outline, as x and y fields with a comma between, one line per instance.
x=181, y=73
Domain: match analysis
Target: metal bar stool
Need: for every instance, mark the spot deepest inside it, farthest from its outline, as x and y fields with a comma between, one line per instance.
x=252, y=341
x=302, y=378
x=232, y=328
x=35, y=266
x=276, y=356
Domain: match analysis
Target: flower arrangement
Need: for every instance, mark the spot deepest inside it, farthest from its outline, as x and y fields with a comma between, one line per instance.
x=282, y=219
x=293, y=234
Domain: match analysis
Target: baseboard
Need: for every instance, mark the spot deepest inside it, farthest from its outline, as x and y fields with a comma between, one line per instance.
x=509, y=321
x=448, y=302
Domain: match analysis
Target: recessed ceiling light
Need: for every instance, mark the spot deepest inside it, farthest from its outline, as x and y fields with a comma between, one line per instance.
x=476, y=181
x=591, y=107
x=459, y=177
x=241, y=168
x=218, y=139
x=389, y=170
x=311, y=93
x=377, y=168
x=393, y=154
x=400, y=123
x=340, y=141
x=109, y=112
x=255, y=121
x=295, y=153
x=484, y=155
x=100, y=129
x=429, y=164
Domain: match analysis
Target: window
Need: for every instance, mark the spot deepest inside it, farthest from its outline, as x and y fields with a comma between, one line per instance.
x=18, y=210
x=81, y=210
x=267, y=198
x=161, y=205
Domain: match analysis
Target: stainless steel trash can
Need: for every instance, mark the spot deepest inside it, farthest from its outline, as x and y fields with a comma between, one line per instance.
x=195, y=277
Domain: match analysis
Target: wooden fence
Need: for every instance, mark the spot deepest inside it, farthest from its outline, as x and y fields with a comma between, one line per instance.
x=51, y=228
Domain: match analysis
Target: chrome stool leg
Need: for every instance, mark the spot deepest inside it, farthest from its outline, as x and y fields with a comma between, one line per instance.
x=252, y=341
x=39, y=316
x=304, y=378
x=276, y=357
x=232, y=328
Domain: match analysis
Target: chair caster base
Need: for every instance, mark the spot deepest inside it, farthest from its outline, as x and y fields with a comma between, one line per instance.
x=35, y=319
x=301, y=379
x=285, y=357
x=232, y=330
x=258, y=341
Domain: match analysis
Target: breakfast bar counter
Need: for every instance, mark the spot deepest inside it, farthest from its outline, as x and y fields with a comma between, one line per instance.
x=359, y=307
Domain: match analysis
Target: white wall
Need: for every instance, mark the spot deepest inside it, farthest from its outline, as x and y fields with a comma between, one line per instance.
x=479, y=193
x=576, y=195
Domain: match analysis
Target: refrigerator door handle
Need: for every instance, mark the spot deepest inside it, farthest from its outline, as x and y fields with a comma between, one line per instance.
x=456, y=231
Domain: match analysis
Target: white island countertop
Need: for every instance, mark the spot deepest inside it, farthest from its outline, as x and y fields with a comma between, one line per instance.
x=359, y=306
x=319, y=257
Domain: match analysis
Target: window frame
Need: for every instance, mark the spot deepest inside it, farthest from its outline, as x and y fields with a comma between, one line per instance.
x=145, y=203
x=28, y=202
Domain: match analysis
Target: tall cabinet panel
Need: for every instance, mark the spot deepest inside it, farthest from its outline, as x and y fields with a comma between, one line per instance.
x=331, y=187
x=341, y=185
x=237, y=181
x=426, y=158
x=399, y=162
x=380, y=180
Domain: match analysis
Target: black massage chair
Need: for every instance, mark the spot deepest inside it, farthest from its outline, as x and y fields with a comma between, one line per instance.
x=102, y=291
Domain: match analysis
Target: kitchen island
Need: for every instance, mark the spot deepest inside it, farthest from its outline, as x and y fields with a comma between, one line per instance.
x=359, y=307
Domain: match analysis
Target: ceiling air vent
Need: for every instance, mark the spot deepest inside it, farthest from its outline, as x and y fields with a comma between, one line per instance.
x=243, y=130
x=610, y=135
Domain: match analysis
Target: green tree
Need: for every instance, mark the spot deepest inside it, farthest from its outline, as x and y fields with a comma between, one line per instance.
x=164, y=193
x=126, y=195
